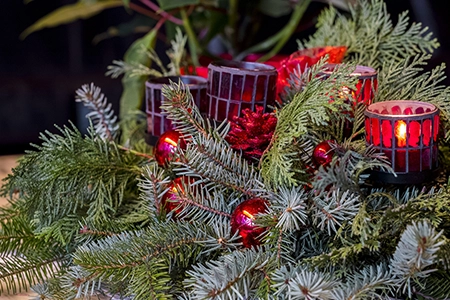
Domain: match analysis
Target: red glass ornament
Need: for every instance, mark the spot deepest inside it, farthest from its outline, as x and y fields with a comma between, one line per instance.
x=323, y=154
x=242, y=220
x=170, y=200
x=167, y=145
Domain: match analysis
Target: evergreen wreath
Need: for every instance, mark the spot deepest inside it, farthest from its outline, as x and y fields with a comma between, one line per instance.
x=83, y=219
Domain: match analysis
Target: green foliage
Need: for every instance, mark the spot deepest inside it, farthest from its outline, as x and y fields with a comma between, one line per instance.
x=69, y=13
x=310, y=107
x=371, y=37
x=134, y=87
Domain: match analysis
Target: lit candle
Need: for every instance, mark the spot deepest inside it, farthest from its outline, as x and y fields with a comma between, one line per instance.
x=407, y=133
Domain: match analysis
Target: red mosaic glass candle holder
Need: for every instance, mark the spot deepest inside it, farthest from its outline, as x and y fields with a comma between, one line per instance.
x=157, y=122
x=234, y=86
x=366, y=86
x=407, y=133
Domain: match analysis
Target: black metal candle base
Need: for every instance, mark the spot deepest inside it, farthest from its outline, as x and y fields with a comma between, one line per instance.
x=405, y=178
x=150, y=139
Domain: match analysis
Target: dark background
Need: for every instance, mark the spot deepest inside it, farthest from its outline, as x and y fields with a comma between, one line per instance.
x=39, y=75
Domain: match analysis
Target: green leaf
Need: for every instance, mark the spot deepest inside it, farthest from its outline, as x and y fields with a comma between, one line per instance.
x=171, y=4
x=126, y=3
x=139, y=23
x=275, y=8
x=134, y=86
x=70, y=13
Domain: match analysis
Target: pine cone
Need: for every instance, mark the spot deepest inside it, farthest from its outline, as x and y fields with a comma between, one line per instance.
x=252, y=132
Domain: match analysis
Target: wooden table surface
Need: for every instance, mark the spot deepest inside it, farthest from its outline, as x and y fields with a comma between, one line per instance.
x=6, y=164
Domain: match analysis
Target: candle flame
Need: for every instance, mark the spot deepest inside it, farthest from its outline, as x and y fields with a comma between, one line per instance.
x=400, y=133
x=170, y=141
x=246, y=213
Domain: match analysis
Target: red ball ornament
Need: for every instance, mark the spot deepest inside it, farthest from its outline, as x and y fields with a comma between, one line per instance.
x=242, y=220
x=323, y=154
x=167, y=145
x=170, y=201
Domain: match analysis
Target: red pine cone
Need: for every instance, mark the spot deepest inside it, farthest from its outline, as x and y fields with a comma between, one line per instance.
x=252, y=132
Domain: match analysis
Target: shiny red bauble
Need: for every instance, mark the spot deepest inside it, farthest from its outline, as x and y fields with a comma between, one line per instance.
x=170, y=201
x=323, y=154
x=167, y=145
x=243, y=218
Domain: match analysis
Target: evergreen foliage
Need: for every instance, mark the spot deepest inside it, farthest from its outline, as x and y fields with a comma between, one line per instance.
x=86, y=217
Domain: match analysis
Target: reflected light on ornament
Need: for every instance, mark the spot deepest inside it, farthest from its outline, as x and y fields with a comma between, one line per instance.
x=170, y=141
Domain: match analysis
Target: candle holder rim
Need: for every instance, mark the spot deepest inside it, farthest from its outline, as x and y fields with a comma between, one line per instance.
x=369, y=112
x=188, y=80
x=242, y=66
x=364, y=71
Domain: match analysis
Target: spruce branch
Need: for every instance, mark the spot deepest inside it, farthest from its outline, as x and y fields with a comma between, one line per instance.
x=301, y=283
x=233, y=276
x=335, y=209
x=289, y=205
x=369, y=34
x=310, y=107
x=415, y=253
x=17, y=273
x=101, y=113
x=373, y=282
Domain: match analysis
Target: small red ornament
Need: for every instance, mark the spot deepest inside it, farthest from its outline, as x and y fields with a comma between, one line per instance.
x=323, y=154
x=170, y=201
x=167, y=145
x=242, y=220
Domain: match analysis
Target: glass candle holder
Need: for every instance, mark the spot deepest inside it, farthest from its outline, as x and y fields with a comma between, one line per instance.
x=407, y=133
x=366, y=86
x=234, y=86
x=157, y=123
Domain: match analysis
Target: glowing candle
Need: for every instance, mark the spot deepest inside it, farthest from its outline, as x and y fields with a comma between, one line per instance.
x=407, y=133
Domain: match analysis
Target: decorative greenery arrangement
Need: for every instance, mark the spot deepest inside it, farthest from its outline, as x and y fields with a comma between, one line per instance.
x=86, y=220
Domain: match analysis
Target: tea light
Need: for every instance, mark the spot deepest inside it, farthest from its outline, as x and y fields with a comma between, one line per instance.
x=367, y=82
x=234, y=86
x=407, y=133
x=157, y=123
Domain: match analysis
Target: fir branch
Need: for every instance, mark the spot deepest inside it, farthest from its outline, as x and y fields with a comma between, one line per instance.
x=373, y=282
x=156, y=251
x=152, y=186
x=311, y=107
x=69, y=174
x=215, y=161
x=101, y=113
x=289, y=205
x=233, y=276
x=332, y=211
x=415, y=253
x=300, y=283
x=18, y=273
x=369, y=34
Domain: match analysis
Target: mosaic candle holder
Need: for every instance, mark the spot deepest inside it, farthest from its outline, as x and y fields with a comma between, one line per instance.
x=234, y=86
x=157, y=123
x=367, y=82
x=407, y=133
